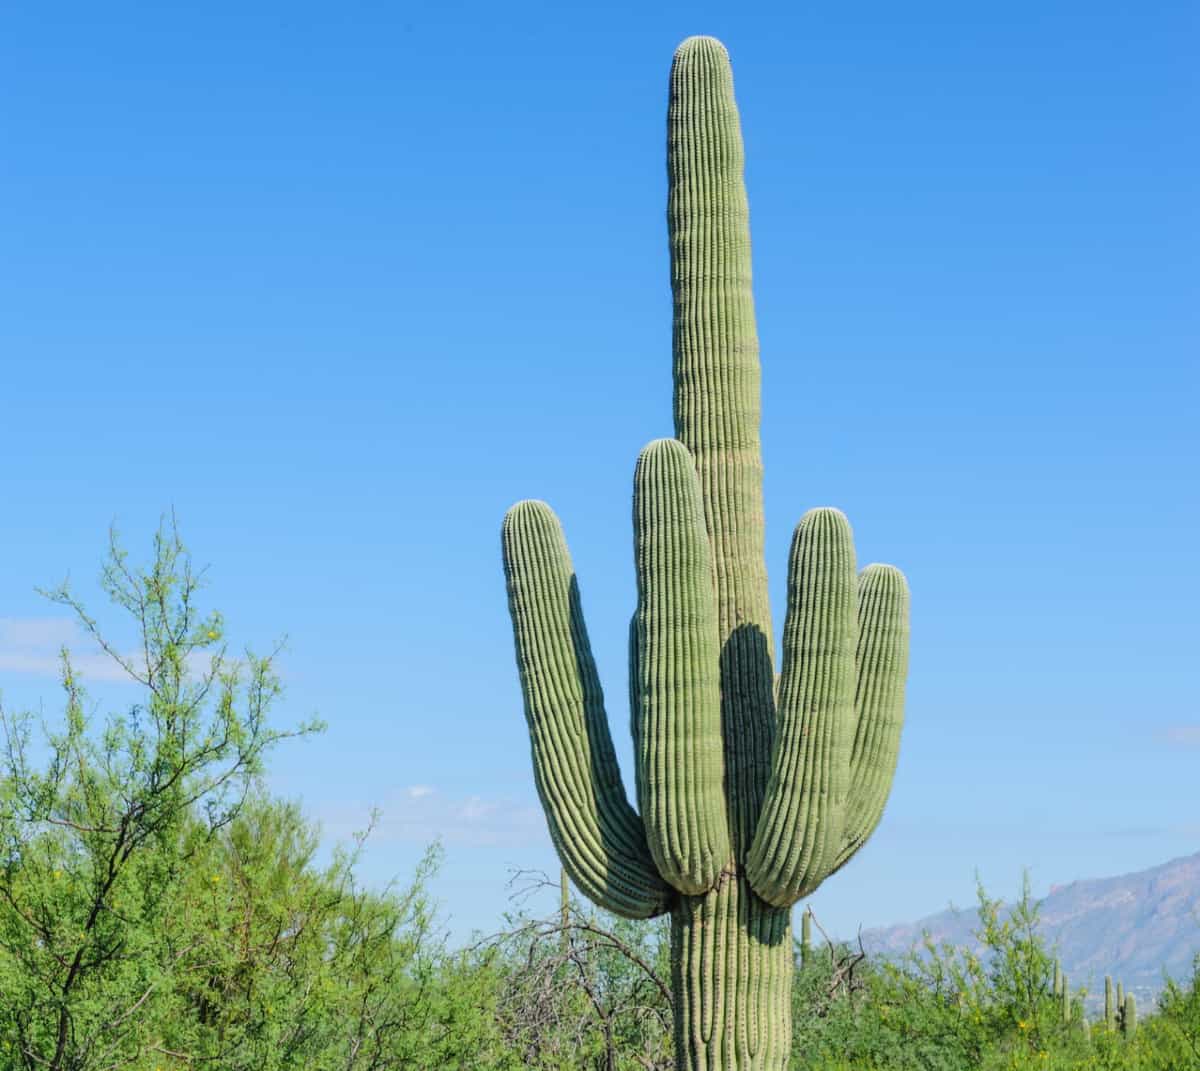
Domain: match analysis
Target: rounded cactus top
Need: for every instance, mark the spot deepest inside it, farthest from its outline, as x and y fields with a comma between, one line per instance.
x=699, y=45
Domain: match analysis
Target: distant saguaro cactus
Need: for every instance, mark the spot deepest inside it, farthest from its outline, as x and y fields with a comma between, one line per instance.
x=806, y=937
x=746, y=804
x=1129, y=1016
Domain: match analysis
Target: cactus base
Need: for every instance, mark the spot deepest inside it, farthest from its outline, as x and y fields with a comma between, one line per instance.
x=731, y=964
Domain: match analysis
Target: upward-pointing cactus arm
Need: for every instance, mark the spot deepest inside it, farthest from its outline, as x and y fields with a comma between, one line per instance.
x=882, y=661
x=677, y=696
x=800, y=829
x=599, y=837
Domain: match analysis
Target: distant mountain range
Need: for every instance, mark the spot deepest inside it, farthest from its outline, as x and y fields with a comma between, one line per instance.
x=1133, y=927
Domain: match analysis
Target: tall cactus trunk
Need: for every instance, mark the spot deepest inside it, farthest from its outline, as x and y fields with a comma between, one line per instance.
x=731, y=966
x=732, y=952
x=746, y=802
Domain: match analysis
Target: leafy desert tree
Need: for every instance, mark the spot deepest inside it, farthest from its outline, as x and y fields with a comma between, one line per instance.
x=90, y=839
x=158, y=909
x=300, y=967
x=1174, y=1034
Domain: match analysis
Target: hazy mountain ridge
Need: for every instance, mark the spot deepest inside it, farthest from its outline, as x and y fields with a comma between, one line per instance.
x=1133, y=927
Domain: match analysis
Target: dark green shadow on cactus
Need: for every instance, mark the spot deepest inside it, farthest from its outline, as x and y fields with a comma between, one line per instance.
x=747, y=709
x=604, y=785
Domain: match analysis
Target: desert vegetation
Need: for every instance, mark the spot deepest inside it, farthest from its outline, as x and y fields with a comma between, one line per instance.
x=160, y=910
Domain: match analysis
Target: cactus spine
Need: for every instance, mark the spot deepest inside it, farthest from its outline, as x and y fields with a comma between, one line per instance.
x=743, y=806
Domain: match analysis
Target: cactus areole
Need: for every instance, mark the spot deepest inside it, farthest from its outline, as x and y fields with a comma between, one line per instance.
x=748, y=795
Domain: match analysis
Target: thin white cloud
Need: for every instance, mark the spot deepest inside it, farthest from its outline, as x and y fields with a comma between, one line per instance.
x=39, y=633
x=476, y=809
x=33, y=646
x=420, y=814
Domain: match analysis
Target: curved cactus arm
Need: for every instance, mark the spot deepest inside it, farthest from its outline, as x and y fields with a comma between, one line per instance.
x=599, y=837
x=681, y=770
x=800, y=830
x=717, y=398
x=882, y=661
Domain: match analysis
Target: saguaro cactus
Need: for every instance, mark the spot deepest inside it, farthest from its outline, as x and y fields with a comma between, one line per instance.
x=806, y=937
x=745, y=805
x=1129, y=1016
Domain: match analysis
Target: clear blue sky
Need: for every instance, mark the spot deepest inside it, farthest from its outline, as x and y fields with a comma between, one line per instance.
x=339, y=283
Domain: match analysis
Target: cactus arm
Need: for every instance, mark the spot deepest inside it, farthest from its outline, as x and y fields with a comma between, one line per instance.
x=882, y=664
x=717, y=398
x=800, y=830
x=599, y=837
x=679, y=747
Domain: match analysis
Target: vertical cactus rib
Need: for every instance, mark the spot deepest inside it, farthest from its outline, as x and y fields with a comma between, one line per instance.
x=882, y=667
x=716, y=397
x=800, y=830
x=680, y=763
x=599, y=837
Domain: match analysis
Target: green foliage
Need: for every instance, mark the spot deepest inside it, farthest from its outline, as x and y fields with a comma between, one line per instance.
x=950, y=1009
x=93, y=843
x=1176, y=1029
x=156, y=909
